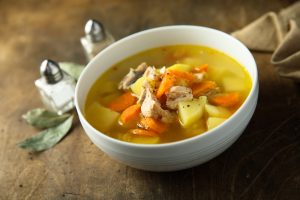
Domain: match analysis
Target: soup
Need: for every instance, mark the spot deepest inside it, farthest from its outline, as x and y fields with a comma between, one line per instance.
x=167, y=94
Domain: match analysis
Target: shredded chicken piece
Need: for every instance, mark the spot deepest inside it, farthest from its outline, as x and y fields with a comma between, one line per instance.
x=145, y=85
x=151, y=107
x=199, y=77
x=177, y=94
x=163, y=70
x=132, y=76
x=212, y=92
x=151, y=74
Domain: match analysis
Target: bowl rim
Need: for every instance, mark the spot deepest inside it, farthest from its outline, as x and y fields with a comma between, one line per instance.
x=254, y=86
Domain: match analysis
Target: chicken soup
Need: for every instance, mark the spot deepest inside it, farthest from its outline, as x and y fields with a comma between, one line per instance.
x=167, y=94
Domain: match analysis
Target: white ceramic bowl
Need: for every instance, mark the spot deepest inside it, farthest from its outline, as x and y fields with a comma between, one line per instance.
x=176, y=155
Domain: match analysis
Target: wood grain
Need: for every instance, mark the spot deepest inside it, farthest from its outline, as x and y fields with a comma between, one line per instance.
x=263, y=164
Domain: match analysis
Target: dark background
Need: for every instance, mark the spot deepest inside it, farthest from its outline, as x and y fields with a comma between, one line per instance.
x=263, y=164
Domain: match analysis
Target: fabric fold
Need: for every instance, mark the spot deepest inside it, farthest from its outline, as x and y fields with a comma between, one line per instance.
x=277, y=33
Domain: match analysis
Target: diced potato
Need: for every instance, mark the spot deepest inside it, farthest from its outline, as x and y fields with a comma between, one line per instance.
x=217, y=111
x=231, y=84
x=129, y=137
x=215, y=72
x=106, y=99
x=98, y=114
x=195, y=128
x=212, y=122
x=137, y=87
x=191, y=111
x=203, y=99
x=181, y=67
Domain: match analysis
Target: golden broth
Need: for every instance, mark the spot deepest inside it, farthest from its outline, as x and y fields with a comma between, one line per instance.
x=225, y=71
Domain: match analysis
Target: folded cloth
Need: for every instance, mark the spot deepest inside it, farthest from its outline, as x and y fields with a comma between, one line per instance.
x=278, y=33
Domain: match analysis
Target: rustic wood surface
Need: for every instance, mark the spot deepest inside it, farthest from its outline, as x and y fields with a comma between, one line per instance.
x=263, y=164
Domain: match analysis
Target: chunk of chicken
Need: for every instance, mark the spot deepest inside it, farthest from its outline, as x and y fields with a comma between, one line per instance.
x=199, y=77
x=152, y=108
x=152, y=81
x=177, y=94
x=132, y=76
x=151, y=74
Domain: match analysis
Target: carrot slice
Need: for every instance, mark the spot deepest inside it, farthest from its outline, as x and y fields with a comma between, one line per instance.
x=122, y=102
x=203, y=87
x=166, y=83
x=143, y=132
x=201, y=68
x=182, y=75
x=227, y=99
x=153, y=125
x=130, y=114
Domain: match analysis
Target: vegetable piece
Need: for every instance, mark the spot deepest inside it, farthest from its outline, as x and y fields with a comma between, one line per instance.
x=233, y=84
x=181, y=67
x=107, y=98
x=195, y=128
x=182, y=75
x=47, y=138
x=72, y=69
x=226, y=99
x=143, y=132
x=130, y=114
x=137, y=86
x=139, y=139
x=153, y=125
x=217, y=72
x=217, y=111
x=122, y=102
x=212, y=122
x=166, y=83
x=191, y=111
x=101, y=117
x=201, y=69
x=203, y=87
x=42, y=118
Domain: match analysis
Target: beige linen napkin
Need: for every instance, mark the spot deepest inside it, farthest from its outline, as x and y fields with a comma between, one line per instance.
x=278, y=33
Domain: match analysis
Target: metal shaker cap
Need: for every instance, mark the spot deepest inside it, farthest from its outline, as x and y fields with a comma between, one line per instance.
x=51, y=71
x=94, y=30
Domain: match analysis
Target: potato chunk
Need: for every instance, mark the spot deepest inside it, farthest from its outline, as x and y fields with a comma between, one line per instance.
x=181, y=67
x=212, y=122
x=139, y=139
x=217, y=111
x=233, y=84
x=101, y=117
x=191, y=111
x=137, y=86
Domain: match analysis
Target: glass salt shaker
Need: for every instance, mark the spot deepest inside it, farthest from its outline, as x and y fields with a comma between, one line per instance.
x=96, y=38
x=56, y=88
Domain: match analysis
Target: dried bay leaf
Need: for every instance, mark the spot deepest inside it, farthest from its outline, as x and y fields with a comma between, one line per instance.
x=43, y=118
x=47, y=138
x=72, y=69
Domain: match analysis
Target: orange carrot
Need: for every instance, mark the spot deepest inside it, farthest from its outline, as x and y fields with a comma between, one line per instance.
x=143, y=132
x=166, y=83
x=130, y=114
x=203, y=87
x=227, y=99
x=122, y=102
x=182, y=75
x=201, y=68
x=153, y=125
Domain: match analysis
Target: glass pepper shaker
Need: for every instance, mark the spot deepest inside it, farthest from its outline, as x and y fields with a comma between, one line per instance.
x=56, y=88
x=96, y=38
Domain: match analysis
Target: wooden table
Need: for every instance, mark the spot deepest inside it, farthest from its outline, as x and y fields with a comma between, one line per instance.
x=263, y=164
